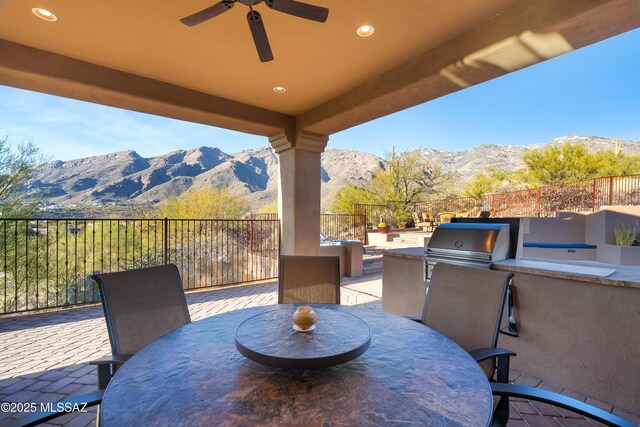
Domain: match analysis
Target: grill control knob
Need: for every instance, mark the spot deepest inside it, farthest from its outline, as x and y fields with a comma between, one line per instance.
x=458, y=244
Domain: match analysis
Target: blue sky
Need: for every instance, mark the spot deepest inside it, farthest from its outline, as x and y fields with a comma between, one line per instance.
x=593, y=91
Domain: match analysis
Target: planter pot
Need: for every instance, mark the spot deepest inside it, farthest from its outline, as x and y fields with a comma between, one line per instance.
x=384, y=230
x=623, y=255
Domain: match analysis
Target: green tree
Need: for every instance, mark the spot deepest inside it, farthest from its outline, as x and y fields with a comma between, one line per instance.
x=488, y=181
x=342, y=201
x=555, y=164
x=15, y=166
x=573, y=162
x=614, y=163
x=215, y=203
x=407, y=178
x=271, y=207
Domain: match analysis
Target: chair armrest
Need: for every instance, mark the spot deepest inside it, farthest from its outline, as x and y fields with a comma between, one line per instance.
x=482, y=354
x=502, y=366
x=70, y=404
x=107, y=367
x=555, y=399
x=114, y=359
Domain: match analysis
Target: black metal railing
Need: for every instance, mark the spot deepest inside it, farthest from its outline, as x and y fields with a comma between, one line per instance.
x=47, y=263
x=344, y=226
x=374, y=214
x=334, y=226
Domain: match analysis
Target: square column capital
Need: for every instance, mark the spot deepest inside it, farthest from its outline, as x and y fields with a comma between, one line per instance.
x=302, y=140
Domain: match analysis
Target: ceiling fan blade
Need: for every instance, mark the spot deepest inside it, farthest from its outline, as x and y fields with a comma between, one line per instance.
x=208, y=13
x=259, y=36
x=302, y=10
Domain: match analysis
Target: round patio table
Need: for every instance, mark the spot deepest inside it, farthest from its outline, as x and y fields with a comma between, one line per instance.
x=195, y=376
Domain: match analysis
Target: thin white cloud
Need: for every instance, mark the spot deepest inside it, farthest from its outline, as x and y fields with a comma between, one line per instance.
x=66, y=129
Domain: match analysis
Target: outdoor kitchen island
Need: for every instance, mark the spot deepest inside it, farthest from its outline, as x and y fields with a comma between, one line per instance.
x=577, y=320
x=404, y=281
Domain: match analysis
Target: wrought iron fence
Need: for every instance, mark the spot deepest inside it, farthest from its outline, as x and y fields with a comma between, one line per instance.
x=334, y=226
x=389, y=213
x=372, y=213
x=344, y=226
x=582, y=196
x=269, y=216
x=451, y=204
x=47, y=263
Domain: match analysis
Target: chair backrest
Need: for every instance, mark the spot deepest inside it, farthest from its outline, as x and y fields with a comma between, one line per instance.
x=428, y=216
x=446, y=217
x=309, y=279
x=415, y=216
x=466, y=304
x=142, y=305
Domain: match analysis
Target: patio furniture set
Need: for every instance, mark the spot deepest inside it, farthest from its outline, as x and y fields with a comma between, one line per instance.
x=430, y=220
x=354, y=367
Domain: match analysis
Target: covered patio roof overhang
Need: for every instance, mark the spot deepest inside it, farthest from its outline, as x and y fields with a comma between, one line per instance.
x=138, y=56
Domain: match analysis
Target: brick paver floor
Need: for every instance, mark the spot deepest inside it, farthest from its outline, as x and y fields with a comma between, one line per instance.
x=43, y=357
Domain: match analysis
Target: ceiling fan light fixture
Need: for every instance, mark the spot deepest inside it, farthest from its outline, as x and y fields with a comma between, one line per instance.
x=365, y=30
x=279, y=89
x=44, y=14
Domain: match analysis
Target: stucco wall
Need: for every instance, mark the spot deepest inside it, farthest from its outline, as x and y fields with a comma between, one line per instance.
x=567, y=228
x=350, y=253
x=561, y=253
x=404, y=288
x=601, y=225
x=583, y=336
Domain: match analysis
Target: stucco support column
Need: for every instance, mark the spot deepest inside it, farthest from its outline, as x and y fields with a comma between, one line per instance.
x=299, y=190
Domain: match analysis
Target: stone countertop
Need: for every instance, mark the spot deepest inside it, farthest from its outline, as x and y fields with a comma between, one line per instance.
x=411, y=253
x=584, y=271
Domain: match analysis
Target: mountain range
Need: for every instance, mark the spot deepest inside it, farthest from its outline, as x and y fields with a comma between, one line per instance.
x=126, y=177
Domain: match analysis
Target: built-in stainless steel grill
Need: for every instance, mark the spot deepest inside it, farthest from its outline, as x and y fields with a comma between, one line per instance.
x=470, y=244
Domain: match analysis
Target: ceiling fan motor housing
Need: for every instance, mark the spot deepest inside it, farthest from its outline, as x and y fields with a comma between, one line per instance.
x=256, y=25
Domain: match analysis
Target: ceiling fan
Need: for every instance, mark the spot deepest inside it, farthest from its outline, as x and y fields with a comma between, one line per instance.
x=292, y=7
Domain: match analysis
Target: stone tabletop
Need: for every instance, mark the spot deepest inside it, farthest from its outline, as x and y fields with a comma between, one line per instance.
x=269, y=338
x=194, y=376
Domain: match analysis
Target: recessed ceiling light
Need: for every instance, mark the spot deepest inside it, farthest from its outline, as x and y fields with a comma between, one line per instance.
x=279, y=89
x=44, y=14
x=365, y=30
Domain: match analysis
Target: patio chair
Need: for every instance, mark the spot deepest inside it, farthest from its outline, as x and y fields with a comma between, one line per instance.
x=309, y=279
x=466, y=305
x=446, y=217
x=139, y=306
x=416, y=218
x=418, y=222
x=504, y=391
x=430, y=218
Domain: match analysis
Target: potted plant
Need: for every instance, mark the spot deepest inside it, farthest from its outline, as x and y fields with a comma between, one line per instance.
x=382, y=227
x=626, y=250
x=627, y=235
